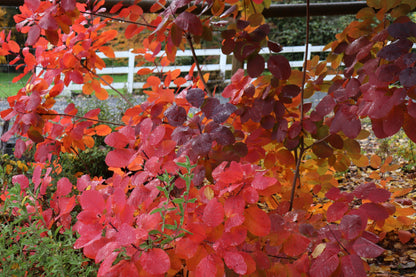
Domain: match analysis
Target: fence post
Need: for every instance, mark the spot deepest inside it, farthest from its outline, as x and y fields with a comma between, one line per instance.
x=308, y=55
x=130, y=74
x=223, y=64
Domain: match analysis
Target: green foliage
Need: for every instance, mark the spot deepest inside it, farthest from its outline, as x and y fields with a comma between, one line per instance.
x=91, y=162
x=28, y=248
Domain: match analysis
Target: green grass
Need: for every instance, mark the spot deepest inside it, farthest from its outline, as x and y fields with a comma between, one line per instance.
x=7, y=88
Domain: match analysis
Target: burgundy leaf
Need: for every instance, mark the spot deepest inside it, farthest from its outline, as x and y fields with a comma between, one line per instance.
x=209, y=105
x=223, y=135
x=274, y=47
x=279, y=66
x=201, y=145
x=324, y=107
x=195, y=96
x=189, y=22
x=387, y=72
x=255, y=66
x=176, y=115
x=402, y=30
x=395, y=50
x=408, y=77
x=222, y=111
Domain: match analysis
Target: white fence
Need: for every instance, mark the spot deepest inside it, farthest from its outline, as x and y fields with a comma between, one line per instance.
x=222, y=64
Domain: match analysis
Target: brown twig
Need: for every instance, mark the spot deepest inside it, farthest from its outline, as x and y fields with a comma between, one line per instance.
x=189, y=38
x=85, y=118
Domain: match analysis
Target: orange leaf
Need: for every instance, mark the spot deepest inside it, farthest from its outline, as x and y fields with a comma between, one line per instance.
x=102, y=130
x=257, y=221
x=101, y=94
x=107, y=79
x=144, y=71
x=87, y=89
x=375, y=161
x=108, y=51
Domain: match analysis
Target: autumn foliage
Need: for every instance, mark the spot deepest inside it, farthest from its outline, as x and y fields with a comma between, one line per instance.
x=207, y=188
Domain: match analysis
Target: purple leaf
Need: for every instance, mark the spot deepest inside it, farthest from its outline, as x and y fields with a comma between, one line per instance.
x=209, y=105
x=176, y=115
x=222, y=111
x=195, y=96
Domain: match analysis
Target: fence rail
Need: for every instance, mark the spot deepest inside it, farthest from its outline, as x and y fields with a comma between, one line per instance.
x=221, y=64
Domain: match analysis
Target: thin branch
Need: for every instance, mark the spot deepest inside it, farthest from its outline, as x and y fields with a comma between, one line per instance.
x=107, y=83
x=85, y=118
x=302, y=112
x=189, y=38
x=120, y=19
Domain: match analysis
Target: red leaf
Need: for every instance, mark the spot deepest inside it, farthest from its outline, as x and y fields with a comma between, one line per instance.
x=374, y=211
x=206, y=267
x=326, y=263
x=48, y=22
x=367, y=249
x=116, y=140
x=131, y=31
x=336, y=211
x=32, y=4
x=352, y=265
x=186, y=248
x=279, y=66
x=68, y=5
x=20, y=148
x=92, y=200
x=213, y=213
x=33, y=35
x=371, y=192
x=64, y=187
x=65, y=205
x=155, y=261
x=116, y=7
x=119, y=157
x=324, y=107
x=295, y=245
x=257, y=221
x=189, y=22
x=128, y=234
x=235, y=261
x=261, y=182
x=166, y=147
x=255, y=66
x=351, y=226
